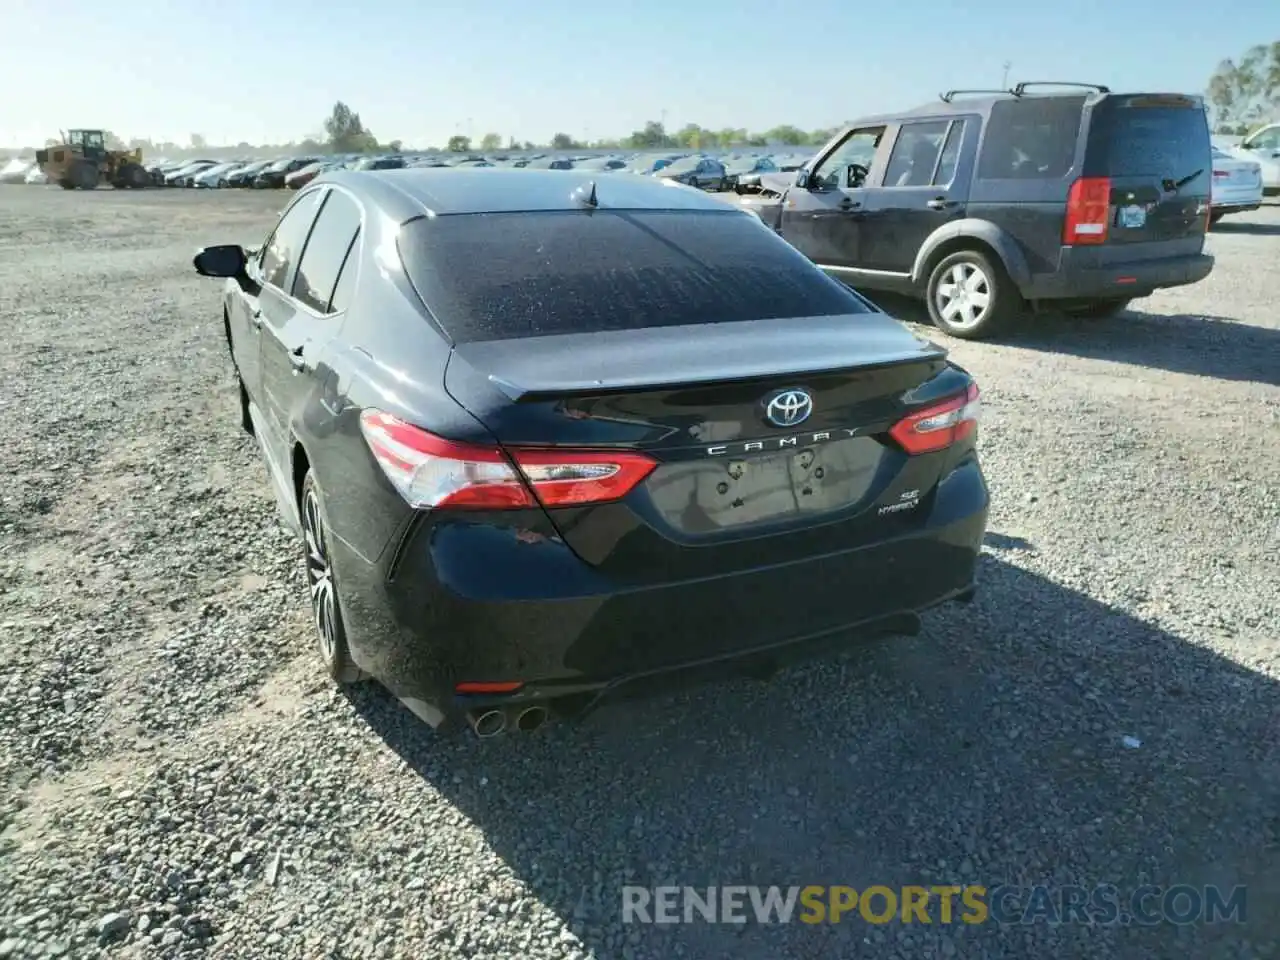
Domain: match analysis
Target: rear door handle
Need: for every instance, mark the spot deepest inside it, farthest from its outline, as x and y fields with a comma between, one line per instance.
x=850, y=204
x=939, y=203
x=256, y=317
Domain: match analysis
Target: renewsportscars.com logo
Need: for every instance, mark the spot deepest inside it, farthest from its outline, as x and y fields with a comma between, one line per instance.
x=1104, y=904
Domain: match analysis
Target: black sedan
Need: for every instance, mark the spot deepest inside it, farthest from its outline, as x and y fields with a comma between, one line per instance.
x=546, y=439
x=273, y=176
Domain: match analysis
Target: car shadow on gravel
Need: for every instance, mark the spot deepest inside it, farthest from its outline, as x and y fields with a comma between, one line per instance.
x=1247, y=227
x=1035, y=736
x=1199, y=344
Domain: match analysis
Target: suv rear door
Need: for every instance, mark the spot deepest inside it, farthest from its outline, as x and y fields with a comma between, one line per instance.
x=1155, y=151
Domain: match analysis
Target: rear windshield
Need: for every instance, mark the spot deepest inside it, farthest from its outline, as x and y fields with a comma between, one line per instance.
x=1130, y=139
x=508, y=275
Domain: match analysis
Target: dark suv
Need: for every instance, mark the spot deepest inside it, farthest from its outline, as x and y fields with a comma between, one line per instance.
x=987, y=202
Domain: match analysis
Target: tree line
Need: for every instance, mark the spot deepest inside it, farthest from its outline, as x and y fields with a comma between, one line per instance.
x=1244, y=93
x=344, y=132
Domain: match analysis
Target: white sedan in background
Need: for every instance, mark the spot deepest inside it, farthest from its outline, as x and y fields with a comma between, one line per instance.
x=1263, y=145
x=1237, y=185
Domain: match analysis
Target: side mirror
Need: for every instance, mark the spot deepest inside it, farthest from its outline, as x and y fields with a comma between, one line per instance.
x=224, y=260
x=804, y=180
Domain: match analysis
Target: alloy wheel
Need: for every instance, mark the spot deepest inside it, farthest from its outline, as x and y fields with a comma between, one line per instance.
x=324, y=604
x=963, y=295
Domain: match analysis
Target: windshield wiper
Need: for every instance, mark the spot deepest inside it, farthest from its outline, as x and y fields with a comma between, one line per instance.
x=1173, y=186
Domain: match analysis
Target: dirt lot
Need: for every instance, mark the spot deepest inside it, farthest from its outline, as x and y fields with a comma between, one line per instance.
x=179, y=777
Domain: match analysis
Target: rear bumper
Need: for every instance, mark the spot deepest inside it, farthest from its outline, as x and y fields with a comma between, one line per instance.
x=1243, y=206
x=1079, y=278
x=476, y=602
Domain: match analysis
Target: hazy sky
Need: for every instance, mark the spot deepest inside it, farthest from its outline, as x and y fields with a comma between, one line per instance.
x=422, y=70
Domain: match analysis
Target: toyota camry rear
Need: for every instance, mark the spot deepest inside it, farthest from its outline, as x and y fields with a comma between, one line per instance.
x=574, y=446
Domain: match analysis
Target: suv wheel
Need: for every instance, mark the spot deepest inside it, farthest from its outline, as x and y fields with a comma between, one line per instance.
x=970, y=295
x=326, y=610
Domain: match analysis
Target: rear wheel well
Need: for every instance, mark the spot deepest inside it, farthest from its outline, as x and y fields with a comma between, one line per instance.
x=955, y=245
x=300, y=467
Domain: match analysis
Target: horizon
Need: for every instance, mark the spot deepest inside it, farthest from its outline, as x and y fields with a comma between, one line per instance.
x=593, y=73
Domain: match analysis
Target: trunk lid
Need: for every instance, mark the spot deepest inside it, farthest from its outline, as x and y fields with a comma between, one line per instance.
x=1235, y=174
x=1155, y=149
x=695, y=398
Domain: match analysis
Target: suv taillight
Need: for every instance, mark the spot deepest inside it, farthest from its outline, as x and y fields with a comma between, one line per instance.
x=939, y=426
x=431, y=472
x=1088, y=211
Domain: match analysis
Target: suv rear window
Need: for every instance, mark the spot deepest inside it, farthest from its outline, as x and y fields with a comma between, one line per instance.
x=509, y=275
x=1032, y=138
x=1130, y=137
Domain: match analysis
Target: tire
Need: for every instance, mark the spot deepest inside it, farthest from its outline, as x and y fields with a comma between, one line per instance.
x=1101, y=309
x=84, y=175
x=66, y=185
x=970, y=296
x=326, y=610
x=133, y=176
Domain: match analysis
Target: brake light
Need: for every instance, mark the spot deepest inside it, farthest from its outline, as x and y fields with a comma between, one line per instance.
x=1221, y=174
x=431, y=472
x=480, y=686
x=1088, y=211
x=939, y=426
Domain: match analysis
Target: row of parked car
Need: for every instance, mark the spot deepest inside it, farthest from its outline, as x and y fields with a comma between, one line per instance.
x=727, y=172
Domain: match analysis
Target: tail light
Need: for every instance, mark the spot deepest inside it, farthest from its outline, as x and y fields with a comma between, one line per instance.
x=1088, y=211
x=1222, y=175
x=939, y=426
x=432, y=472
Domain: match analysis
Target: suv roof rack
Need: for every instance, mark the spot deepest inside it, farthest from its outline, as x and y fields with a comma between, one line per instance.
x=1021, y=88
x=952, y=94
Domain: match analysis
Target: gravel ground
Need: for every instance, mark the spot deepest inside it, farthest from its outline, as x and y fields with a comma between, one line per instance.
x=179, y=776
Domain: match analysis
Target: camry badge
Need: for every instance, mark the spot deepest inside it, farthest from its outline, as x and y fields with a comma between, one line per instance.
x=788, y=408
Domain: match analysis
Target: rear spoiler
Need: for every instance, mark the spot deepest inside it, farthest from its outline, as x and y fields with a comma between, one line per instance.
x=658, y=358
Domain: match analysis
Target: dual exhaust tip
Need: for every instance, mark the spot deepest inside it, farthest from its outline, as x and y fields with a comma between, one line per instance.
x=491, y=721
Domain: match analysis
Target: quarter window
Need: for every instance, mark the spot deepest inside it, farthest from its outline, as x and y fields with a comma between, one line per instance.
x=327, y=248
x=346, y=279
x=282, y=250
x=915, y=154
x=950, y=154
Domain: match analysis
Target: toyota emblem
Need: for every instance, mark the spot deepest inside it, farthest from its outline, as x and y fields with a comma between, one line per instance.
x=787, y=408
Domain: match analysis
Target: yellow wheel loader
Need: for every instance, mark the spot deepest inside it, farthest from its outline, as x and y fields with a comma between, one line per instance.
x=82, y=161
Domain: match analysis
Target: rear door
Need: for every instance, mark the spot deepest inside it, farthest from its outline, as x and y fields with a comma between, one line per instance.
x=921, y=190
x=275, y=309
x=763, y=388
x=1155, y=150
x=301, y=317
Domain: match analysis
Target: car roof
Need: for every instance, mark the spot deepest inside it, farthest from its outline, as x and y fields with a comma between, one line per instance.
x=982, y=101
x=442, y=191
